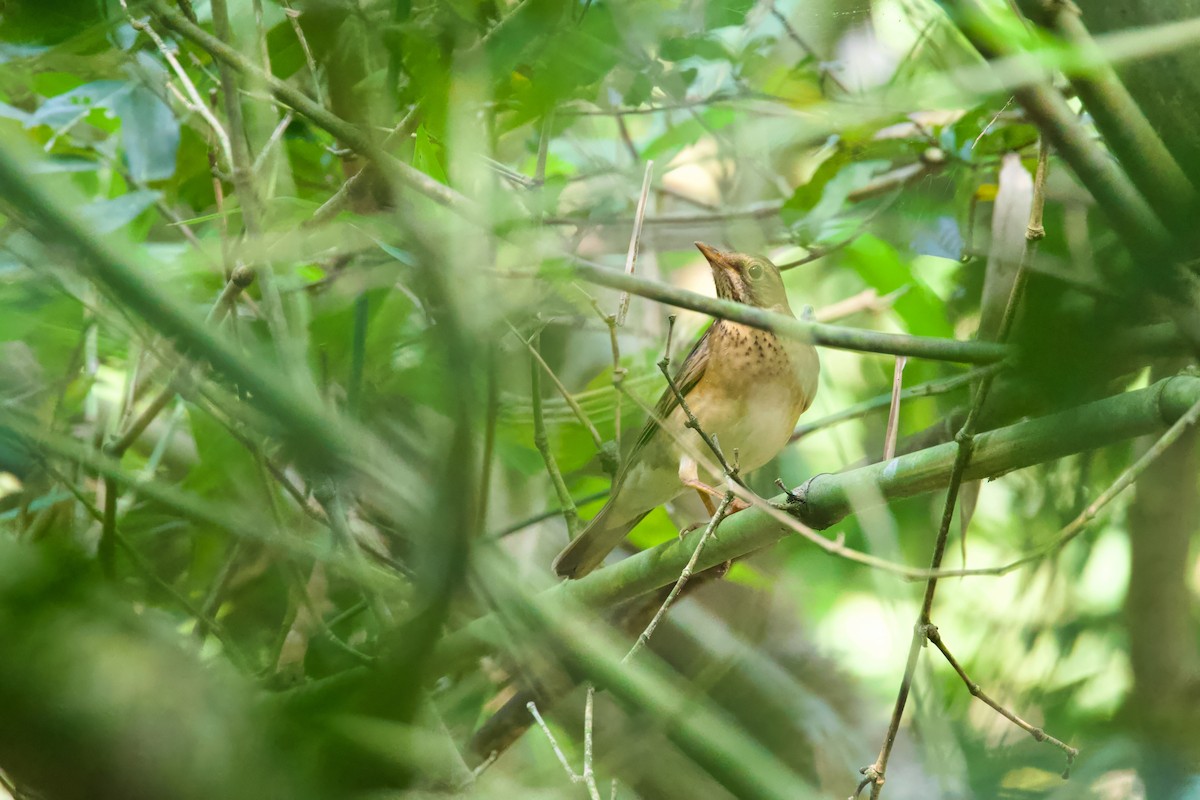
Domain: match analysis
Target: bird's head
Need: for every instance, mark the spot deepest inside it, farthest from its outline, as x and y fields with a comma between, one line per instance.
x=747, y=279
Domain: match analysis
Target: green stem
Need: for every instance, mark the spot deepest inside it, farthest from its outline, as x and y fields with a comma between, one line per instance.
x=830, y=498
x=1121, y=121
x=802, y=330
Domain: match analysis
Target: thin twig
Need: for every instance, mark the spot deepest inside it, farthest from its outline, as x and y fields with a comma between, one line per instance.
x=589, y=710
x=635, y=239
x=574, y=776
x=294, y=18
x=333, y=205
x=196, y=104
x=569, y=512
x=539, y=174
x=272, y=140
x=803, y=45
x=874, y=775
x=934, y=635
x=1076, y=526
x=893, y=423
x=866, y=300
x=709, y=530
x=692, y=422
x=928, y=389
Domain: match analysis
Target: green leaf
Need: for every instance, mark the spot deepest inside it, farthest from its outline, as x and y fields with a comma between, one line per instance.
x=680, y=47
x=428, y=156
x=878, y=263
x=689, y=132
x=723, y=13
x=107, y=216
x=149, y=129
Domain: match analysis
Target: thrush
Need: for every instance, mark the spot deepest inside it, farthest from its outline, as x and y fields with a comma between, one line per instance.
x=746, y=388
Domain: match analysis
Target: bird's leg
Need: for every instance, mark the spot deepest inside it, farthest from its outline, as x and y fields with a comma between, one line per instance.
x=703, y=492
x=689, y=476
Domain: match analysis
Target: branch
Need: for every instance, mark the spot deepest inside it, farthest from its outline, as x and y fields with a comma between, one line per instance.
x=828, y=499
x=801, y=330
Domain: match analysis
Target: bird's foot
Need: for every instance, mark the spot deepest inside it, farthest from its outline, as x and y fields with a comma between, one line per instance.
x=737, y=504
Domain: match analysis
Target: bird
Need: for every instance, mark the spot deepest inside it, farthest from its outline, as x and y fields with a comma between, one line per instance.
x=746, y=387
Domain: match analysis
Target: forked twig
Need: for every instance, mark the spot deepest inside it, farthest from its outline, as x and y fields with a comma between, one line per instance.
x=586, y=777
x=934, y=635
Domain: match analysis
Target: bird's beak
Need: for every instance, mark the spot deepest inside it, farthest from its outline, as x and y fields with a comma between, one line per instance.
x=716, y=259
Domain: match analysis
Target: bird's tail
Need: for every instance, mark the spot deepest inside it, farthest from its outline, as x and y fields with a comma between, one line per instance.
x=589, y=549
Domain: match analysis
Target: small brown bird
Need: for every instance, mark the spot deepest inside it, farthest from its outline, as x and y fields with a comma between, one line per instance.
x=745, y=386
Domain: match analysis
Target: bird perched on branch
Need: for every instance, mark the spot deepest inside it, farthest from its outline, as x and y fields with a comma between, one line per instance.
x=745, y=386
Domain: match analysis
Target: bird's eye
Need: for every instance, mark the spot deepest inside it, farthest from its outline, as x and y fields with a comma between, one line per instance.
x=755, y=271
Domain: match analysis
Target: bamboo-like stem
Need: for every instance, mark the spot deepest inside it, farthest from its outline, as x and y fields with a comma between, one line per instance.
x=1123, y=482
x=1130, y=214
x=828, y=499
x=96, y=260
x=1121, y=121
x=802, y=330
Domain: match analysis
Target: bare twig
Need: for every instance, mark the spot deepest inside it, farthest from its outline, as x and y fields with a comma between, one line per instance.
x=803, y=45
x=539, y=174
x=1123, y=481
x=929, y=389
x=635, y=239
x=589, y=711
x=294, y=18
x=585, y=778
x=893, y=424
x=193, y=103
x=692, y=422
x=684, y=577
x=540, y=440
x=933, y=635
x=866, y=300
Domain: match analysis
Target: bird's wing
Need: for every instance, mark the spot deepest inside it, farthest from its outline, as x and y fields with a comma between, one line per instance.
x=689, y=374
